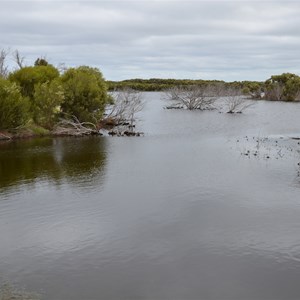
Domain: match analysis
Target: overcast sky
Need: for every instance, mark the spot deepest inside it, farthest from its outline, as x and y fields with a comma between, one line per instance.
x=228, y=40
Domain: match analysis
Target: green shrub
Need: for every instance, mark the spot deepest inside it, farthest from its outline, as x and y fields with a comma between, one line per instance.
x=283, y=87
x=28, y=77
x=47, y=100
x=85, y=93
x=14, y=108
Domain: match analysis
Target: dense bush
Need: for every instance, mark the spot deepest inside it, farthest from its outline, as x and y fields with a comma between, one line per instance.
x=47, y=100
x=85, y=93
x=28, y=77
x=283, y=87
x=14, y=108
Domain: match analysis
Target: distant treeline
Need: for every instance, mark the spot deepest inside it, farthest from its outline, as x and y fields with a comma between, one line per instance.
x=157, y=84
x=284, y=87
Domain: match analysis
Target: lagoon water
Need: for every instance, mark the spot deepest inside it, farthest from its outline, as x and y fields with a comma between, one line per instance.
x=205, y=206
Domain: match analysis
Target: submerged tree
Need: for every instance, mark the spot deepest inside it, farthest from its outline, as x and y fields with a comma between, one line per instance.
x=193, y=97
x=284, y=87
x=126, y=104
x=235, y=101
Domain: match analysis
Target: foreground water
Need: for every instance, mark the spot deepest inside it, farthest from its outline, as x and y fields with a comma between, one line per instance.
x=204, y=206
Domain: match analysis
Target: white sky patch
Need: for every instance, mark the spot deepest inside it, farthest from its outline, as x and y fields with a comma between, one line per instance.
x=226, y=40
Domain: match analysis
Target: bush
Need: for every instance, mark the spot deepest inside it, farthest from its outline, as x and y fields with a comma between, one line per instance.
x=14, y=108
x=283, y=87
x=85, y=93
x=47, y=100
x=28, y=77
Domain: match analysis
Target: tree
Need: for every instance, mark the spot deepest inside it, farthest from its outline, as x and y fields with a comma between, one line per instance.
x=28, y=77
x=19, y=60
x=283, y=87
x=14, y=108
x=254, y=89
x=235, y=101
x=85, y=94
x=127, y=103
x=41, y=62
x=3, y=67
x=193, y=97
x=47, y=100
x=292, y=89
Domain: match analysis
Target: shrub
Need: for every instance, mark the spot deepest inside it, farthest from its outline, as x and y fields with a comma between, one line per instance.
x=47, y=100
x=14, y=108
x=85, y=93
x=283, y=87
x=28, y=77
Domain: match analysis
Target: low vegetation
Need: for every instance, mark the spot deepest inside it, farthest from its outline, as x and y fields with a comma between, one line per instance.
x=284, y=87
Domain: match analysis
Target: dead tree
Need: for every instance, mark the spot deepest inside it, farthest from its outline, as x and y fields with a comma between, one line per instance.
x=19, y=60
x=275, y=92
x=72, y=126
x=3, y=67
x=127, y=103
x=235, y=101
x=200, y=97
x=61, y=67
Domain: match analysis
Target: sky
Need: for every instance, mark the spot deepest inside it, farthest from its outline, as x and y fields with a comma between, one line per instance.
x=224, y=40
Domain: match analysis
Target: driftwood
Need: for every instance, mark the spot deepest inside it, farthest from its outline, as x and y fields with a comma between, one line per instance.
x=74, y=127
x=4, y=136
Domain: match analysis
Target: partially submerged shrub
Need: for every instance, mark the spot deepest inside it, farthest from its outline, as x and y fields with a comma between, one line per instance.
x=193, y=97
x=283, y=87
x=235, y=101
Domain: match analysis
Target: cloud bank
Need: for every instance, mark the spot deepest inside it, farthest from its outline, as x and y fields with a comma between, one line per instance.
x=228, y=40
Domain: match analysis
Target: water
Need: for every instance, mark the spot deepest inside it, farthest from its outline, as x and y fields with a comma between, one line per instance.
x=204, y=206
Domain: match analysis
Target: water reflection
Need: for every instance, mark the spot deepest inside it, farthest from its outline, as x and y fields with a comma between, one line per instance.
x=62, y=159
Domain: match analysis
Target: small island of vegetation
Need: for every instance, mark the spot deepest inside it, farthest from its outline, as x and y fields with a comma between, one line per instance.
x=42, y=100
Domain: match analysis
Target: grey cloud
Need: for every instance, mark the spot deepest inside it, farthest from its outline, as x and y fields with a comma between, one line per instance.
x=229, y=40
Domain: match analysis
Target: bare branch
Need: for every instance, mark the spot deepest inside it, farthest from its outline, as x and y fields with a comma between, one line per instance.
x=74, y=127
x=127, y=103
x=19, y=60
x=235, y=102
x=3, y=67
x=61, y=67
x=4, y=136
x=200, y=97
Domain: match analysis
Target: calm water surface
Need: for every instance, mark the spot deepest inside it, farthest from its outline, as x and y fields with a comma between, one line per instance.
x=204, y=206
